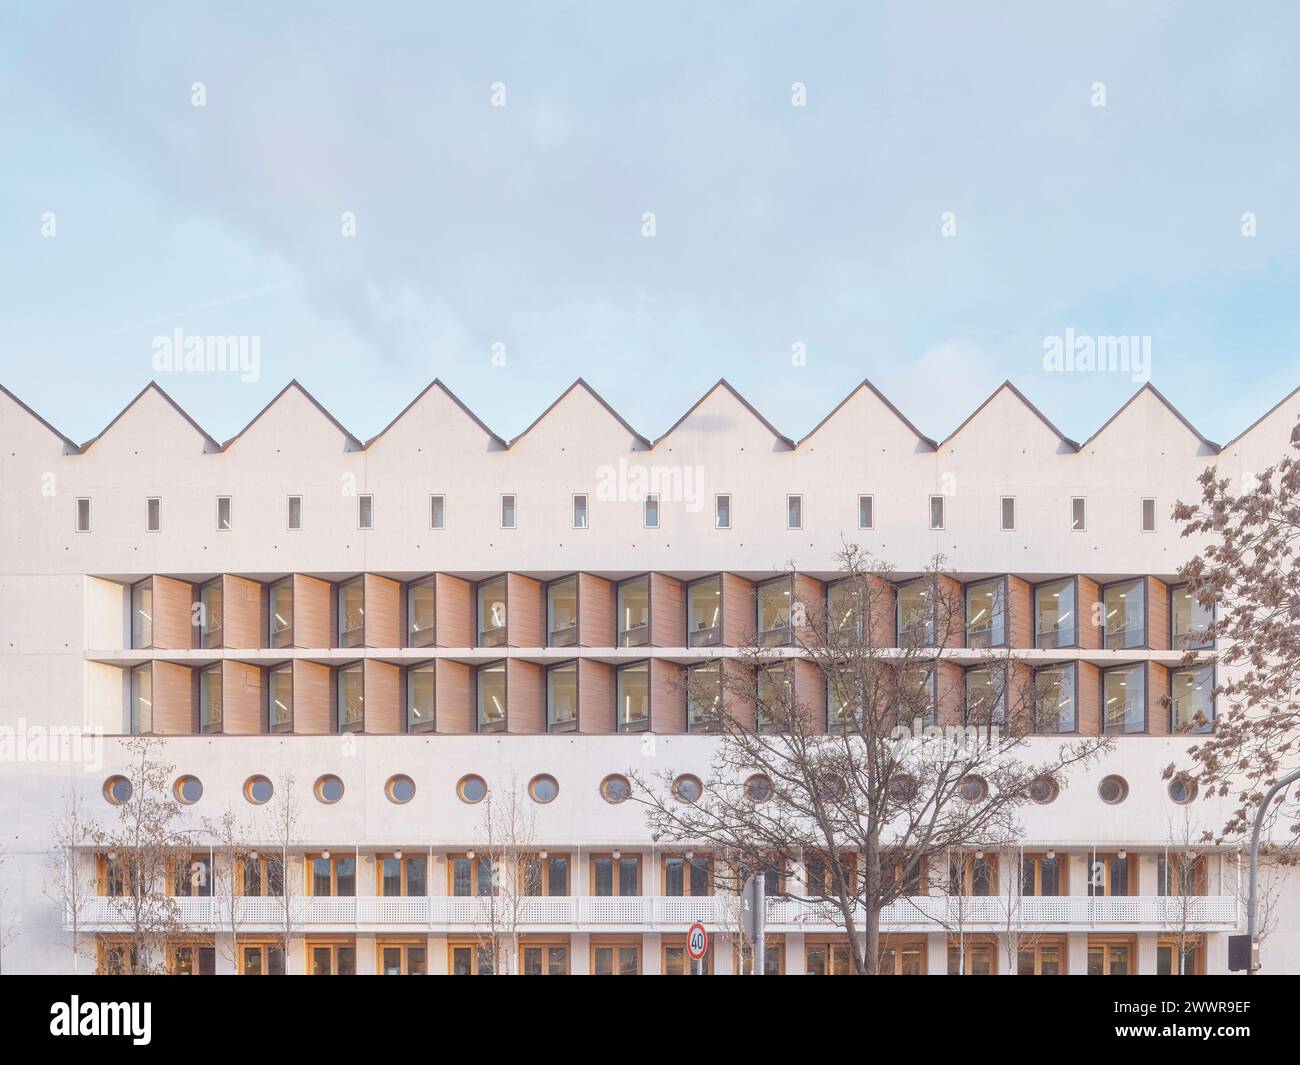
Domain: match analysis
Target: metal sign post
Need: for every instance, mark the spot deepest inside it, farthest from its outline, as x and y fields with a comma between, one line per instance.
x=753, y=909
x=697, y=943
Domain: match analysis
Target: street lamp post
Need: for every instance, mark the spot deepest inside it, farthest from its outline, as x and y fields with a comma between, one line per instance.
x=1251, y=900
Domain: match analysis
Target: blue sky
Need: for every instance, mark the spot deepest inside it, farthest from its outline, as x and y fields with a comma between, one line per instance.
x=775, y=225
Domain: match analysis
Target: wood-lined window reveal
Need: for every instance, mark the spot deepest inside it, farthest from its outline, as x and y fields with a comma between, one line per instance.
x=677, y=962
x=612, y=875
x=402, y=875
x=1180, y=955
x=402, y=957
x=470, y=958
x=260, y=958
x=331, y=875
x=616, y=957
x=1112, y=956
x=684, y=876
x=1112, y=874
x=972, y=956
x=545, y=876
x=331, y=957
x=545, y=959
x=1041, y=875
x=826, y=958
x=470, y=875
x=260, y=876
x=900, y=956
x=1042, y=957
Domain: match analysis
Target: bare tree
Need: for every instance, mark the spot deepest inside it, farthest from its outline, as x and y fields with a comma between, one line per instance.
x=283, y=833
x=67, y=883
x=1247, y=574
x=1182, y=882
x=143, y=850
x=507, y=841
x=232, y=845
x=8, y=930
x=898, y=770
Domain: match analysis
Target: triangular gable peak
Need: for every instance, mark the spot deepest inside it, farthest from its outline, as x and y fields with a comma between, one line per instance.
x=147, y=419
x=294, y=417
x=576, y=410
x=1272, y=430
x=16, y=418
x=1011, y=416
x=436, y=417
x=1149, y=417
x=867, y=413
x=721, y=409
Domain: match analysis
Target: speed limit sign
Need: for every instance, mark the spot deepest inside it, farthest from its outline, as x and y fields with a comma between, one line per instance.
x=697, y=941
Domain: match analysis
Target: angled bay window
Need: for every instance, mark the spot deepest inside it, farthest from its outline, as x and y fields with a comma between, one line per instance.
x=634, y=698
x=917, y=695
x=352, y=613
x=420, y=687
x=562, y=698
x=1124, y=613
x=490, y=596
x=211, y=614
x=704, y=612
x=1054, y=614
x=1189, y=620
x=562, y=612
x=986, y=613
x=142, y=700
x=350, y=693
x=986, y=695
x=142, y=615
x=773, y=612
x=490, y=697
x=280, y=599
x=775, y=692
x=210, y=700
x=703, y=697
x=279, y=698
x=916, y=613
x=420, y=612
x=1124, y=699
x=1054, y=700
x=1191, y=692
x=633, y=602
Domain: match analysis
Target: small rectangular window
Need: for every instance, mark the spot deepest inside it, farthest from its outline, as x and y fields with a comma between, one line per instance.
x=1148, y=515
x=794, y=512
x=83, y=515
x=437, y=512
x=652, y=512
x=1078, y=514
x=153, y=514
x=223, y=513
x=1008, y=513
x=722, y=512
x=365, y=512
x=936, y=512
x=866, y=512
x=295, y=513
x=507, y=512
x=579, y=511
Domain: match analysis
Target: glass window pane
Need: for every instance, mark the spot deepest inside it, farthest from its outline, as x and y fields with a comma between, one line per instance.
x=703, y=697
x=634, y=612
x=986, y=614
x=1054, y=699
x=420, y=685
x=420, y=614
x=562, y=698
x=774, y=599
x=351, y=698
x=491, y=698
x=1124, y=694
x=282, y=614
x=142, y=615
x=704, y=612
x=492, y=612
x=562, y=612
x=633, y=698
x=352, y=614
x=1191, y=691
x=915, y=614
x=1124, y=607
x=1190, y=619
x=1054, y=614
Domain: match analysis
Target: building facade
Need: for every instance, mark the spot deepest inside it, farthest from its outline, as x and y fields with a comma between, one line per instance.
x=409, y=623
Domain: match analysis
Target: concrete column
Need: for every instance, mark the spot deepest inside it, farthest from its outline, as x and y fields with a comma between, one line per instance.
x=936, y=953
x=724, y=949
x=1076, y=951
x=367, y=959
x=438, y=961
x=580, y=954
x=225, y=954
x=652, y=954
x=295, y=964
x=795, y=962
x=1146, y=952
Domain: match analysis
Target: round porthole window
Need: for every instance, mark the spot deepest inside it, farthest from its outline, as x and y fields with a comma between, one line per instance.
x=543, y=788
x=687, y=788
x=1113, y=790
x=902, y=788
x=758, y=788
x=188, y=789
x=118, y=790
x=400, y=789
x=472, y=788
x=1044, y=790
x=1182, y=789
x=973, y=789
x=615, y=789
x=329, y=788
x=258, y=790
